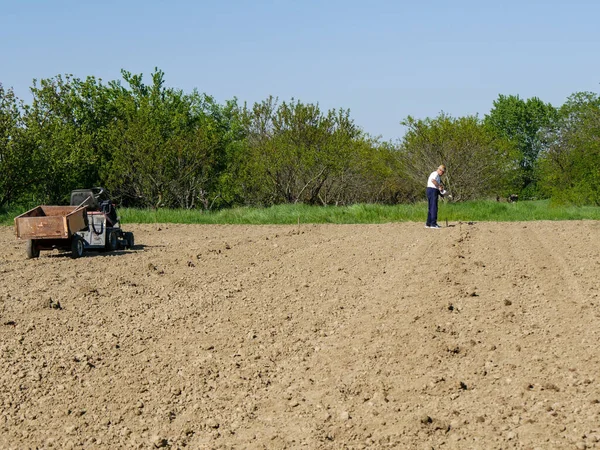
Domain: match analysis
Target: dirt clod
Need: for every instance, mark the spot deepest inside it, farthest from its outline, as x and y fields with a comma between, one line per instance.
x=426, y=420
x=54, y=304
x=159, y=442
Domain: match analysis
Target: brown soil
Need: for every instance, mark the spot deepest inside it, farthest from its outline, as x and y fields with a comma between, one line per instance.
x=476, y=336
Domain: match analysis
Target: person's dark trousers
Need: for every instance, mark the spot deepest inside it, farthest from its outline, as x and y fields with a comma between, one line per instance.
x=432, y=201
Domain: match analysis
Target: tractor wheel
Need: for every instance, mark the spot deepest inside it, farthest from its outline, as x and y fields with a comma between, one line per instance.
x=32, y=250
x=129, y=240
x=77, y=247
x=112, y=241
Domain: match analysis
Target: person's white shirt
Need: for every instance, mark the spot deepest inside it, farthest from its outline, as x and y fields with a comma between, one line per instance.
x=434, y=176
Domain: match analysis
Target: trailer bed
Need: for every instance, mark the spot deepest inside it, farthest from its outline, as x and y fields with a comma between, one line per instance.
x=50, y=222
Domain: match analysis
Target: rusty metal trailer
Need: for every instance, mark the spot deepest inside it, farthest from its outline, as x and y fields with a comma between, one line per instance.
x=48, y=227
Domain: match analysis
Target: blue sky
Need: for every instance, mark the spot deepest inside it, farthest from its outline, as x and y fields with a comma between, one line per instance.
x=383, y=60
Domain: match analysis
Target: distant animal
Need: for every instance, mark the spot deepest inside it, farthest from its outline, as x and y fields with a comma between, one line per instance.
x=512, y=198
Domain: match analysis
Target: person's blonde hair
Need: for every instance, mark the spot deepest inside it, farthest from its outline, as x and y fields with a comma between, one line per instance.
x=442, y=167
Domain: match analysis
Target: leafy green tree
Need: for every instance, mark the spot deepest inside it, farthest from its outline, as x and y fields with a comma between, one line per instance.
x=524, y=122
x=15, y=152
x=570, y=167
x=369, y=172
x=66, y=124
x=479, y=163
x=388, y=176
x=225, y=186
x=297, y=153
x=165, y=145
x=156, y=146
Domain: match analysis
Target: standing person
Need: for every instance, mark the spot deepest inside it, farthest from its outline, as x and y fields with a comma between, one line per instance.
x=434, y=187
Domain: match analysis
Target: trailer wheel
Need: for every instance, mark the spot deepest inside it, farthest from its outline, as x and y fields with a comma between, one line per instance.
x=112, y=241
x=129, y=240
x=32, y=250
x=77, y=247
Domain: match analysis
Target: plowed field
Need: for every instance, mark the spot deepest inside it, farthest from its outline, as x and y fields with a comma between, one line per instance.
x=475, y=336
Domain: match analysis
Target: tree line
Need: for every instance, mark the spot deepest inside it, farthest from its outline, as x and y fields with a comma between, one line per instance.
x=155, y=146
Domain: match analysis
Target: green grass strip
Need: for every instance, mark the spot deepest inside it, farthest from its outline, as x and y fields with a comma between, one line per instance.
x=481, y=211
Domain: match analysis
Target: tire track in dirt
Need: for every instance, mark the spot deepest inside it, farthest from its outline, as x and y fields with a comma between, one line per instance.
x=556, y=325
x=300, y=320
x=451, y=386
x=375, y=353
x=519, y=366
x=305, y=386
x=487, y=285
x=492, y=364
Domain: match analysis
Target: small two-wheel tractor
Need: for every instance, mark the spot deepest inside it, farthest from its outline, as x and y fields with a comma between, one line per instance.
x=89, y=223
